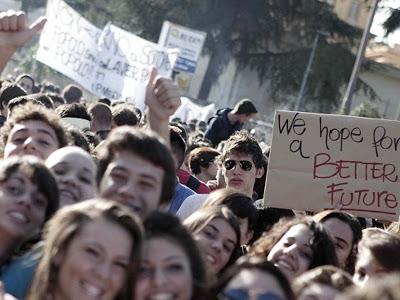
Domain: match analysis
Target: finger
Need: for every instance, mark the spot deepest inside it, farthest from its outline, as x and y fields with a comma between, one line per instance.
x=38, y=25
x=4, y=23
x=153, y=75
x=22, y=21
x=13, y=23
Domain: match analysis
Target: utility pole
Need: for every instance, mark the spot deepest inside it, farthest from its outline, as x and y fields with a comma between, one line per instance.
x=346, y=104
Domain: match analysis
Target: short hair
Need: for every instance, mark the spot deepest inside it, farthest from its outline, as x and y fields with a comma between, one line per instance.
x=245, y=107
x=242, y=142
x=178, y=144
x=240, y=204
x=105, y=101
x=68, y=222
x=32, y=112
x=384, y=247
x=355, y=227
x=73, y=110
x=40, y=99
x=72, y=93
x=9, y=92
x=322, y=245
x=101, y=113
x=145, y=144
x=56, y=98
x=29, y=76
x=36, y=171
x=326, y=275
x=79, y=139
x=201, y=157
x=257, y=264
x=124, y=114
x=197, y=221
x=166, y=226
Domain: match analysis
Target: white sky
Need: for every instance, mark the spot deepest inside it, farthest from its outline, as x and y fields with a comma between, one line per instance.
x=380, y=16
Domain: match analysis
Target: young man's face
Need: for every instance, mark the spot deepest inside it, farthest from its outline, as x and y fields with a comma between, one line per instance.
x=240, y=172
x=134, y=182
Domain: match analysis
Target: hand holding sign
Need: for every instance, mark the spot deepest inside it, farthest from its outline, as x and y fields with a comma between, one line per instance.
x=15, y=32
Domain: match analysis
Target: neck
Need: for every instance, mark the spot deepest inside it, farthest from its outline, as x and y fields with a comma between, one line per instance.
x=232, y=117
x=7, y=246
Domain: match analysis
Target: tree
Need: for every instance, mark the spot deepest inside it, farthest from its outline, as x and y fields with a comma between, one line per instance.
x=273, y=37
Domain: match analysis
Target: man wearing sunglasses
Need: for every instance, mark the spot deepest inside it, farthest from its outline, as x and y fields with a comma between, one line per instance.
x=241, y=163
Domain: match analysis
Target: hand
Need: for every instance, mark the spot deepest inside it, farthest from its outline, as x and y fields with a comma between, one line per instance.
x=162, y=97
x=14, y=29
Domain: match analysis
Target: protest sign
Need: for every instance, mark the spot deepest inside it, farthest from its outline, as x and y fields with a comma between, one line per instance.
x=125, y=62
x=322, y=161
x=110, y=63
x=68, y=43
x=188, y=41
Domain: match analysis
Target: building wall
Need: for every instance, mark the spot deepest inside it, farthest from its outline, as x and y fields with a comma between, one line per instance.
x=355, y=12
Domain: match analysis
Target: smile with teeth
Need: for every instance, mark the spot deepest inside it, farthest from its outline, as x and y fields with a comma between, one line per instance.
x=161, y=296
x=211, y=259
x=68, y=194
x=91, y=290
x=19, y=217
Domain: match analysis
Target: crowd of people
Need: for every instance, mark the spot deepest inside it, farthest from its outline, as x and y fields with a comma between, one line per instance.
x=99, y=200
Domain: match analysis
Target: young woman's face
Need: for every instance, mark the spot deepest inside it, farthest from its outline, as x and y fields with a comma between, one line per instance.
x=22, y=206
x=293, y=253
x=31, y=137
x=342, y=236
x=366, y=268
x=75, y=173
x=217, y=240
x=94, y=264
x=254, y=284
x=165, y=272
x=319, y=291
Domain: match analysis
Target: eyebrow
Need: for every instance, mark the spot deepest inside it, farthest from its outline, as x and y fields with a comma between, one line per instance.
x=46, y=132
x=341, y=240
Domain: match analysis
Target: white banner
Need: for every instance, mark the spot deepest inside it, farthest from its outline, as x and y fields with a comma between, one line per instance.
x=110, y=63
x=68, y=43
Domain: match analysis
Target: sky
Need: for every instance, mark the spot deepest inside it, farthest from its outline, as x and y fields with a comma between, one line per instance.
x=380, y=16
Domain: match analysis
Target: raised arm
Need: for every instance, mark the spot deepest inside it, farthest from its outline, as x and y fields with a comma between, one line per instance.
x=15, y=32
x=163, y=99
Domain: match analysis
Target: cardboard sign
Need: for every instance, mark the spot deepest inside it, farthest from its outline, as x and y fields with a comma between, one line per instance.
x=110, y=63
x=322, y=161
x=189, y=41
x=68, y=43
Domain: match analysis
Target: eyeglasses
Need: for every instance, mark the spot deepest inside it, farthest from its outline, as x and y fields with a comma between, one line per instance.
x=243, y=294
x=245, y=165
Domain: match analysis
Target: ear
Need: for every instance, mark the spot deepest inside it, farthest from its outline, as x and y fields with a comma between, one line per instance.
x=249, y=235
x=58, y=258
x=259, y=173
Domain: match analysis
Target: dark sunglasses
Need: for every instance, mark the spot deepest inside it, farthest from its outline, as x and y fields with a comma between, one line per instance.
x=245, y=165
x=243, y=294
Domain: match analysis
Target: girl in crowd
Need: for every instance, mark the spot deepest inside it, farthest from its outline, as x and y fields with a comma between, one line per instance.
x=171, y=266
x=75, y=172
x=217, y=232
x=345, y=231
x=28, y=197
x=253, y=278
x=378, y=254
x=241, y=205
x=92, y=251
x=296, y=246
x=322, y=283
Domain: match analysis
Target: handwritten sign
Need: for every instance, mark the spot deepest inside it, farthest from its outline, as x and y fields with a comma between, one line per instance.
x=68, y=43
x=110, y=63
x=322, y=161
x=125, y=64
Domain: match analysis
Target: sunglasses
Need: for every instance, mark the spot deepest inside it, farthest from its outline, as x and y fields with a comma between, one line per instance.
x=245, y=165
x=243, y=294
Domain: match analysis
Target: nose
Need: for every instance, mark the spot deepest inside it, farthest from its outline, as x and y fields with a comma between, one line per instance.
x=291, y=250
x=103, y=270
x=69, y=179
x=159, y=277
x=29, y=144
x=128, y=191
x=25, y=200
x=217, y=245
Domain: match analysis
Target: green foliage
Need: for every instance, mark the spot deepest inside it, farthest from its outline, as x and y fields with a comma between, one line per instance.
x=366, y=110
